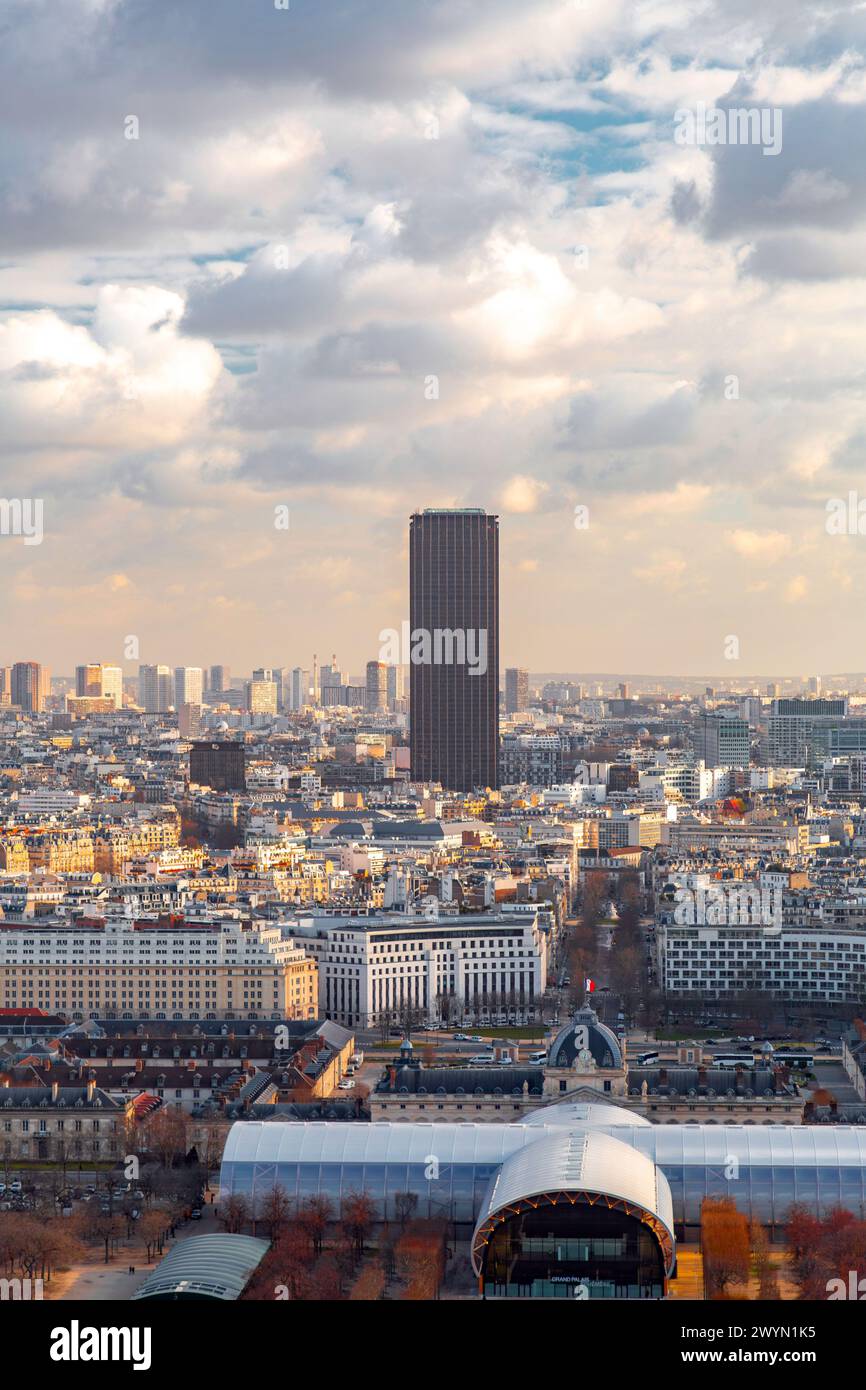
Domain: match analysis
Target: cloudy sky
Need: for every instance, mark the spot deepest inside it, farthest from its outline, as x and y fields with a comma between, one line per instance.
x=359, y=257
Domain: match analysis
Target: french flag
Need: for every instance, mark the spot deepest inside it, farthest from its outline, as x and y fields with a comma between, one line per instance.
x=588, y=985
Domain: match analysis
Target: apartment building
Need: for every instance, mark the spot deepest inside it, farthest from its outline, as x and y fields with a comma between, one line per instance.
x=798, y=963
x=158, y=968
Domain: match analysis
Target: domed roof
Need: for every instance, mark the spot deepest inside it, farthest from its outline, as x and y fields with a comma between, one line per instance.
x=582, y=1115
x=585, y=1032
x=571, y=1162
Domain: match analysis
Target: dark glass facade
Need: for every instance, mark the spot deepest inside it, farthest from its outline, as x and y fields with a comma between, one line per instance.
x=454, y=602
x=573, y=1251
x=218, y=765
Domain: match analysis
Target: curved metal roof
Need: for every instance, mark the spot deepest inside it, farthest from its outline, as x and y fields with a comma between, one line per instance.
x=319, y=1141
x=755, y=1146
x=578, y=1165
x=212, y=1266
x=583, y=1114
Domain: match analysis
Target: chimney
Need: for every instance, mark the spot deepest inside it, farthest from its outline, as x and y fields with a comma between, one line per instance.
x=91, y=1088
x=55, y=1090
x=139, y=1064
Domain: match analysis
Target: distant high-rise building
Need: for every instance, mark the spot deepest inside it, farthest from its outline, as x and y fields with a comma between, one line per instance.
x=187, y=686
x=395, y=685
x=88, y=679
x=723, y=741
x=218, y=765
x=516, y=689
x=624, y=690
x=218, y=680
x=261, y=696
x=299, y=688
x=5, y=685
x=774, y=690
x=30, y=684
x=377, y=686
x=798, y=727
x=95, y=681
x=112, y=685
x=814, y=685
x=454, y=626
x=189, y=721
x=154, y=688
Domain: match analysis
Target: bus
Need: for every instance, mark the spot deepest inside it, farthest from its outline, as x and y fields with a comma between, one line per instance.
x=647, y=1059
x=800, y=1061
x=733, y=1059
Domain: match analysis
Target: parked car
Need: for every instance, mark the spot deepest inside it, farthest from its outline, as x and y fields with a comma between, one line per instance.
x=476, y=1037
x=195, y=1214
x=460, y=1037
x=16, y=1186
x=345, y=1085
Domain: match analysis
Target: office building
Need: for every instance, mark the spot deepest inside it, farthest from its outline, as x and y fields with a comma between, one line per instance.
x=516, y=690
x=220, y=766
x=374, y=968
x=218, y=680
x=722, y=741
x=454, y=665
x=155, y=688
x=189, y=721
x=88, y=680
x=377, y=686
x=793, y=725
x=187, y=686
x=30, y=685
x=299, y=689
x=395, y=685
x=261, y=696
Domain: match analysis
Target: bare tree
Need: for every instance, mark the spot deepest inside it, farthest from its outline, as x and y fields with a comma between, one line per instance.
x=234, y=1213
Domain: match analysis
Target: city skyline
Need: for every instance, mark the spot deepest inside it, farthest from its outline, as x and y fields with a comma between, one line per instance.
x=521, y=290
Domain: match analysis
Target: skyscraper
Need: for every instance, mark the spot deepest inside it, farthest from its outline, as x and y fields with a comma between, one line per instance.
x=377, y=686
x=395, y=685
x=88, y=679
x=454, y=658
x=187, y=685
x=154, y=688
x=96, y=681
x=261, y=695
x=218, y=680
x=516, y=689
x=299, y=690
x=30, y=686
